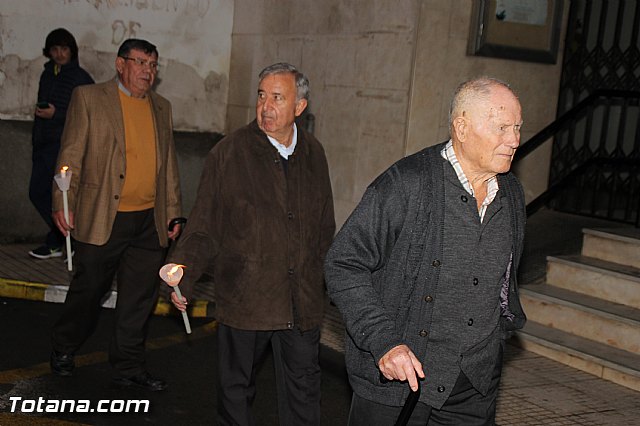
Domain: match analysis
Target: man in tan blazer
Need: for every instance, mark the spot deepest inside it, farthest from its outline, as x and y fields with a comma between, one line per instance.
x=118, y=145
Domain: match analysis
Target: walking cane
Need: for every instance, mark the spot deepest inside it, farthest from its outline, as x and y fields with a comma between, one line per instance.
x=407, y=408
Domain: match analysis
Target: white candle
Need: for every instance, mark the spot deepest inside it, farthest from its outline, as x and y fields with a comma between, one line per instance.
x=172, y=274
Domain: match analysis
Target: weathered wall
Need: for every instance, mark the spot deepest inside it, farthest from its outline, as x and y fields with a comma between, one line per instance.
x=193, y=38
x=382, y=74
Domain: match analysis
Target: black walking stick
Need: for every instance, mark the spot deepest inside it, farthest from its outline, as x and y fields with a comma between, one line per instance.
x=407, y=408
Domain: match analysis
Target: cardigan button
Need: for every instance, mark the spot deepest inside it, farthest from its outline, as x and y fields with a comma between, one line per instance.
x=428, y=299
x=290, y=271
x=464, y=198
x=423, y=333
x=470, y=322
x=289, y=325
x=475, y=281
x=121, y=176
x=290, y=215
x=441, y=389
x=435, y=263
x=117, y=197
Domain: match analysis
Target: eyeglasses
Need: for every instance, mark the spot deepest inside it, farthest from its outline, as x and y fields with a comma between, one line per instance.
x=142, y=62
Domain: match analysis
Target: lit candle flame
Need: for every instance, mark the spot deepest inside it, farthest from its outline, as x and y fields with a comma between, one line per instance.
x=63, y=171
x=175, y=269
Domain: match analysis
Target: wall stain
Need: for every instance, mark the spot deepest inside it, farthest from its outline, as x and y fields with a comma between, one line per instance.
x=198, y=103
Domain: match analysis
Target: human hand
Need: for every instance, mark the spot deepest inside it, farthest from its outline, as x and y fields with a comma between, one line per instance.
x=61, y=223
x=175, y=231
x=181, y=305
x=401, y=364
x=46, y=113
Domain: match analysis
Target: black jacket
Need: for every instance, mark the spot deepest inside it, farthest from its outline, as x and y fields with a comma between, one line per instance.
x=56, y=90
x=393, y=240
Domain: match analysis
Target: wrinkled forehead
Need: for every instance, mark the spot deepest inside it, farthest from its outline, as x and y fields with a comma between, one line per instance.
x=280, y=82
x=503, y=105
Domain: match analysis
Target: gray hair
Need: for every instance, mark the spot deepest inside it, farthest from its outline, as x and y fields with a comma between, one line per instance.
x=476, y=89
x=302, y=82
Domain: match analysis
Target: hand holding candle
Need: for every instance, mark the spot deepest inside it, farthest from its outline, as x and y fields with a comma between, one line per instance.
x=172, y=274
x=63, y=180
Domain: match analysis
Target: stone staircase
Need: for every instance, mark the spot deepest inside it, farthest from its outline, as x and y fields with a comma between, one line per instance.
x=587, y=312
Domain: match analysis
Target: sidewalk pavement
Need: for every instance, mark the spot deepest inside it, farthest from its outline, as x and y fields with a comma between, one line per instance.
x=534, y=390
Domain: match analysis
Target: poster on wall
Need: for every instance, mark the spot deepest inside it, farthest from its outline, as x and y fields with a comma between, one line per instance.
x=193, y=38
x=524, y=30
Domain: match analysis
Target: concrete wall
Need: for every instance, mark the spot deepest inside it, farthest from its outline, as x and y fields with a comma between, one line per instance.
x=382, y=74
x=381, y=71
x=193, y=38
x=358, y=57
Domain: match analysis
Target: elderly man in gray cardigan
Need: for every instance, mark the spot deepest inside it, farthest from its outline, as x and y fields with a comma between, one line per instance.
x=424, y=269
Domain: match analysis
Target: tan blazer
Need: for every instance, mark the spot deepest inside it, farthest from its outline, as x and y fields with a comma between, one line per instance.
x=93, y=147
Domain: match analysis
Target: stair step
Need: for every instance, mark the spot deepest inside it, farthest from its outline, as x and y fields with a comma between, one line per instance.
x=595, y=277
x=618, y=245
x=615, y=365
x=599, y=320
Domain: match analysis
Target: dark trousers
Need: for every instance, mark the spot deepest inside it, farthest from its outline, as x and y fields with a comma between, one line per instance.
x=297, y=369
x=134, y=252
x=465, y=406
x=40, y=186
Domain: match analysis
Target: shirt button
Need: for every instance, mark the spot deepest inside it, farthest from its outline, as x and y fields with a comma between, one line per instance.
x=423, y=333
x=290, y=215
x=435, y=263
x=470, y=322
x=290, y=271
x=475, y=281
x=428, y=299
x=441, y=389
x=464, y=198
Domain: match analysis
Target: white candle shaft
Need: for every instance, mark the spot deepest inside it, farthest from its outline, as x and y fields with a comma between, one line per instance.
x=185, y=318
x=65, y=202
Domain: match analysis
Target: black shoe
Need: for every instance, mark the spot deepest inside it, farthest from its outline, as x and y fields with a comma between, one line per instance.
x=142, y=380
x=61, y=364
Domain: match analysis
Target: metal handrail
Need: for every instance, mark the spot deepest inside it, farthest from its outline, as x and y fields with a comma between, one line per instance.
x=564, y=122
x=568, y=117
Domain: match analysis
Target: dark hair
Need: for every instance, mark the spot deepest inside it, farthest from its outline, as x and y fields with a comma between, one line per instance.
x=60, y=37
x=136, y=44
x=302, y=82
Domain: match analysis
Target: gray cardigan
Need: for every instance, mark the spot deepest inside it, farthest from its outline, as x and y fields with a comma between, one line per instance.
x=393, y=239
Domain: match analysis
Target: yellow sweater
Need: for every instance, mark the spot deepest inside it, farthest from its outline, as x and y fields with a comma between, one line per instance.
x=139, y=190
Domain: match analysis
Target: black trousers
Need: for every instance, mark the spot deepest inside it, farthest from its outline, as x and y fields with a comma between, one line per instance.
x=465, y=406
x=40, y=186
x=134, y=252
x=297, y=371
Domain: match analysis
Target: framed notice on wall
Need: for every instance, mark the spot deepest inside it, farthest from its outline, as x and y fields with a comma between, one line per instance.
x=524, y=30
